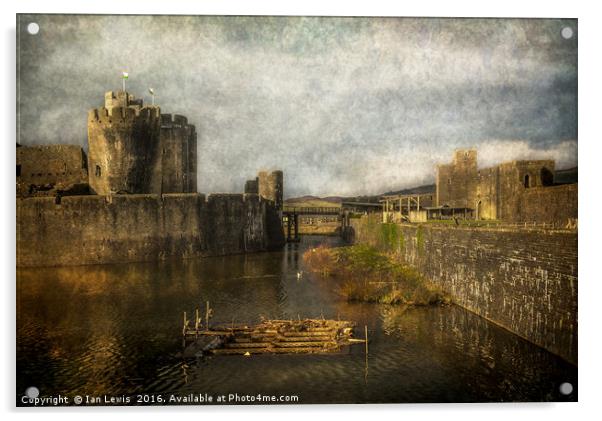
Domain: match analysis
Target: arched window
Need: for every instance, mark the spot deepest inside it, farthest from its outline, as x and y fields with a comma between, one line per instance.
x=527, y=181
x=97, y=172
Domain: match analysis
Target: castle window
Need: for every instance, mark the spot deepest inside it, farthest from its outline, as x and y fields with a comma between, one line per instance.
x=97, y=171
x=449, y=181
x=526, y=181
x=18, y=170
x=547, y=177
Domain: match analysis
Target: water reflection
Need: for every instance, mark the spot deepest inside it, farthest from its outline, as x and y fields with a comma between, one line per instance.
x=114, y=329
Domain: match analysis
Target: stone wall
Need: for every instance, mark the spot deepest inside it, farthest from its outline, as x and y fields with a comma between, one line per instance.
x=50, y=167
x=557, y=204
x=127, y=228
x=517, y=178
x=523, y=280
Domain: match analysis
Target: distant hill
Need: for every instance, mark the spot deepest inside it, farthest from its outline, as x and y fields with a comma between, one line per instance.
x=313, y=201
x=309, y=200
x=427, y=188
x=567, y=176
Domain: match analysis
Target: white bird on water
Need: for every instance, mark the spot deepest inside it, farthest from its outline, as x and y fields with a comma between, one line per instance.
x=299, y=274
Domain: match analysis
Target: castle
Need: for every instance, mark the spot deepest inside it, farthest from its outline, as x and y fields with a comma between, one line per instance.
x=520, y=191
x=132, y=149
x=134, y=197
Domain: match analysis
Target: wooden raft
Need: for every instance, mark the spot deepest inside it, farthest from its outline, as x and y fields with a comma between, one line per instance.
x=269, y=337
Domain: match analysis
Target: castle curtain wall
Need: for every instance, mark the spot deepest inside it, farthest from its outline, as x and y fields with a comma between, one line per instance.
x=127, y=228
x=517, y=191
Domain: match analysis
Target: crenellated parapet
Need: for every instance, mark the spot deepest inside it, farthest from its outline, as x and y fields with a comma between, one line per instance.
x=120, y=115
x=174, y=121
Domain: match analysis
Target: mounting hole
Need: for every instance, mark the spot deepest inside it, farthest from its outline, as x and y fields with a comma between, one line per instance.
x=566, y=388
x=567, y=32
x=32, y=392
x=33, y=28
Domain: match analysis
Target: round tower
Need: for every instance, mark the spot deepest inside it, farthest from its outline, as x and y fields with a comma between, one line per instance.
x=124, y=145
x=277, y=181
x=178, y=150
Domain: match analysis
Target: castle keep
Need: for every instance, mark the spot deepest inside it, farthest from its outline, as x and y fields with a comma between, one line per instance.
x=135, y=149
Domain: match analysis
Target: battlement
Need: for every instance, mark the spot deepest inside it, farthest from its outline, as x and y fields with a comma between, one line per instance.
x=121, y=99
x=549, y=163
x=465, y=156
x=174, y=121
x=121, y=114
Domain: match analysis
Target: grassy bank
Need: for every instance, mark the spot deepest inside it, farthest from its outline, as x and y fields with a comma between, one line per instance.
x=369, y=275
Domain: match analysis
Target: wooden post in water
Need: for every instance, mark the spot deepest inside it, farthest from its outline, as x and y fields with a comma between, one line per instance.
x=184, y=326
x=196, y=322
x=207, y=316
x=366, y=339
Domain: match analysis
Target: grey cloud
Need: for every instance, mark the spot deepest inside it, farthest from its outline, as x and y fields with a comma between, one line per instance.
x=342, y=105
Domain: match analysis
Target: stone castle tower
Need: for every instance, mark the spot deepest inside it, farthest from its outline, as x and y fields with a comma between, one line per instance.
x=456, y=182
x=268, y=185
x=271, y=186
x=178, y=155
x=490, y=193
x=135, y=149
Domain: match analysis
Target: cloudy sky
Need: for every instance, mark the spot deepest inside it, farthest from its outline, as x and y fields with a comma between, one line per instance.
x=342, y=105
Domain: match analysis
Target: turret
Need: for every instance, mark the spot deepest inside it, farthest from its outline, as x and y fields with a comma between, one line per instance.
x=178, y=150
x=271, y=187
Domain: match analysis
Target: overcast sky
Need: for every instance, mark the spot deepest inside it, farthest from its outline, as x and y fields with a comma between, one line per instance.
x=343, y=106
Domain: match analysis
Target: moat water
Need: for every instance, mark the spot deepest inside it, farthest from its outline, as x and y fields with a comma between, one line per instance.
x=116, y=330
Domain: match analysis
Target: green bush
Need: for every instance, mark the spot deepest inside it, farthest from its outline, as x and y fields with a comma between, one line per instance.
x=372, y=276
